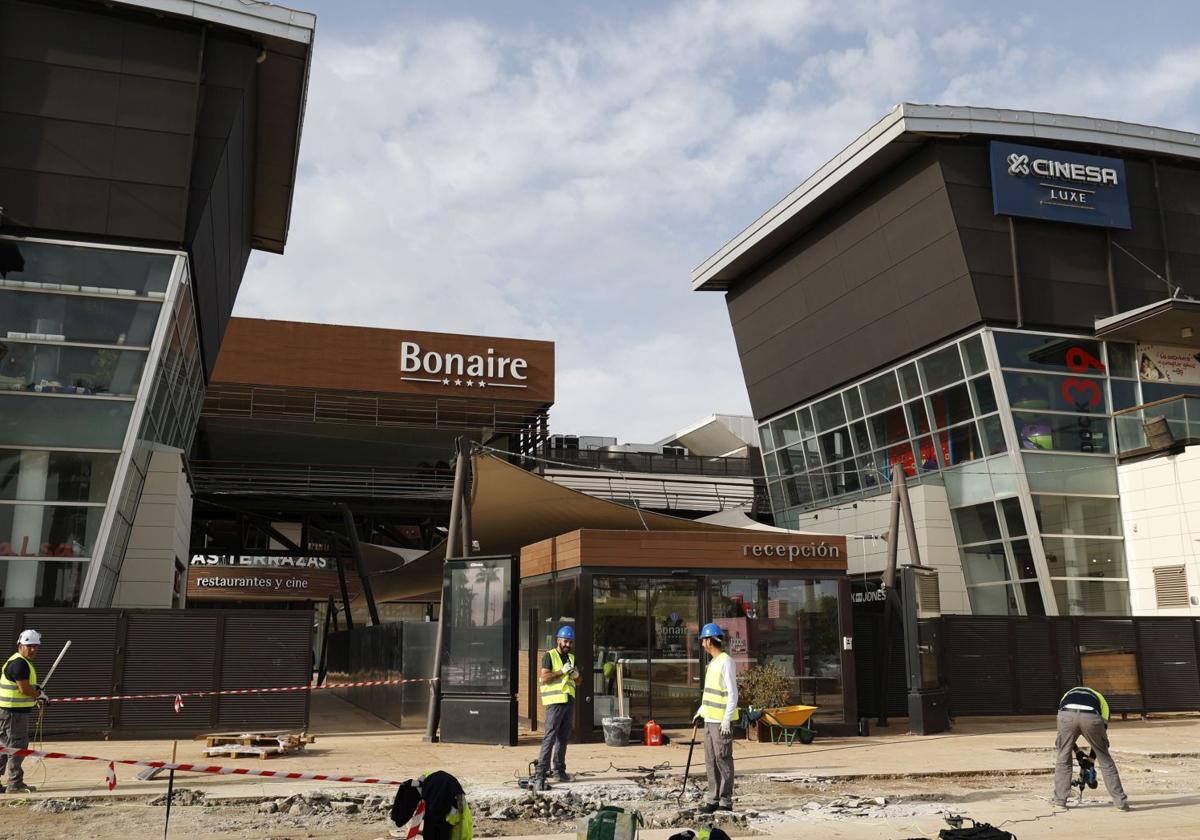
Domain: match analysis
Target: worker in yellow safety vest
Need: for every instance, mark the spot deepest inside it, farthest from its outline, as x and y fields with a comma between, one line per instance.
x=1084, y=711
x=557, y=681
x=718, y=710
x=19, y=695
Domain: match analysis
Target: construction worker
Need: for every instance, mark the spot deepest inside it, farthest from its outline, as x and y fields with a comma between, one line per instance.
x=718, y=709
x=19, y=694
x=1084, y=711
x=557, y=681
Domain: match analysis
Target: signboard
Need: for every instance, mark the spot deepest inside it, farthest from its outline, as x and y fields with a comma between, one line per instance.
x=269, y=562
x=1059, y=186
x=238, y=583
x=1174, y=365
x=378, y=361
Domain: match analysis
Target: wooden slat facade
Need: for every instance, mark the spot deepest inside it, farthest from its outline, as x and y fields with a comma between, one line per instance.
x=750, y=550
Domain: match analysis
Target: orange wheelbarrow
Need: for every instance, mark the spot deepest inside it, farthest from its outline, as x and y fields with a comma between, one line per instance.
x=788, y=723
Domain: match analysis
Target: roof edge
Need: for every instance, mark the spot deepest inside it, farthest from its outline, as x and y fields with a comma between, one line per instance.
x=917, y=120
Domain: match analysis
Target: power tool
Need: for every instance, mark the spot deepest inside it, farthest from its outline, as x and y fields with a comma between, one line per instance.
x=1087, y=770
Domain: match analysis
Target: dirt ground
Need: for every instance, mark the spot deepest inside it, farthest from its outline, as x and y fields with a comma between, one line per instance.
x=891, y=786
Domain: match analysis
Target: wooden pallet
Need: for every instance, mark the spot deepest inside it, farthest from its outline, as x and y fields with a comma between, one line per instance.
x=260, y=744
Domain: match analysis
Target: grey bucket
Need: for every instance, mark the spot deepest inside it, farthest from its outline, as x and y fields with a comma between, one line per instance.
x=616, y=730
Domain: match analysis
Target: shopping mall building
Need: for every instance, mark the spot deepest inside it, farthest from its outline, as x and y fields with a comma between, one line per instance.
x=1001, y=305
x=145, y=149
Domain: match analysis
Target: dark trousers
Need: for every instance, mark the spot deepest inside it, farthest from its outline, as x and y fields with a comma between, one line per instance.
x=14, y=733
x=559, y=718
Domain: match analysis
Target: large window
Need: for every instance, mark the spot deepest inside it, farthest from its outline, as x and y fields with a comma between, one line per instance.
x=40, y=583
x=923, y=417
x=790, y=624
x=40, y=476
x=997, y=559
x=61, y=369
x=35, y=530
x=76, y=319
x=50, y=266
x=65, y=421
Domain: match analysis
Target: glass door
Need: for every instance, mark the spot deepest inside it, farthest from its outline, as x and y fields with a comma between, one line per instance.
x=675, y=667
x=646, y=649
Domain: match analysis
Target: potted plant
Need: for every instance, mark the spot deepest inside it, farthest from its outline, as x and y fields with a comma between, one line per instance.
x=761, y=687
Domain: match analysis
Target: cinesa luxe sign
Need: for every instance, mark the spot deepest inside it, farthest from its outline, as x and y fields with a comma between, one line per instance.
x=1058, y=185
x=478, y=370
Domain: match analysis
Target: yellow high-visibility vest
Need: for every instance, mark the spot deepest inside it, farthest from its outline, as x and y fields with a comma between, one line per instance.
x=1100, y=697
x=10, y=694
x=562, y=690
x=716, y=693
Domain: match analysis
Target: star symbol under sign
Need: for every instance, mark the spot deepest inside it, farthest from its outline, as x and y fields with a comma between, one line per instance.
x=445, y=381
x=470, y=382
x=457, y=381
x=482, y=383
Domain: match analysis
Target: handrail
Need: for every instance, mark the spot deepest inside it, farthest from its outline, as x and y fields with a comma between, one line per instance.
x=1156, y=403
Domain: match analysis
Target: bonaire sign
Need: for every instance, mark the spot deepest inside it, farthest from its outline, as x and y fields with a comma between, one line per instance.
x=488, y=369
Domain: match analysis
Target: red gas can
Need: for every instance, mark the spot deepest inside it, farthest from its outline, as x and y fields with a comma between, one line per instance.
x=653, y=734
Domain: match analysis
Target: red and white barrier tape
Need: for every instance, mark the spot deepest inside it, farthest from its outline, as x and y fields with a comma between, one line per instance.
x=178, y=696
x=200, y=768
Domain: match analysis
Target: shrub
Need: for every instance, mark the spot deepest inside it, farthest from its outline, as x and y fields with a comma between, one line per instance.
x=763, y=687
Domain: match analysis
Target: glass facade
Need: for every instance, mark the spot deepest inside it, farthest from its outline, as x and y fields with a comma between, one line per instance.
x=88, y=335
x=1018, y=427
x=789, y=624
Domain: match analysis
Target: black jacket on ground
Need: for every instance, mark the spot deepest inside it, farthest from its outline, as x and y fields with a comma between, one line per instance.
x=441, y=792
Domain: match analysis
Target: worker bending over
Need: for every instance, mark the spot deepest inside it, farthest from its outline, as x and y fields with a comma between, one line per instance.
x=1084, y=711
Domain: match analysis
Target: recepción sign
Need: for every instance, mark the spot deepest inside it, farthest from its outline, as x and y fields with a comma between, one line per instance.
x=1059, y=186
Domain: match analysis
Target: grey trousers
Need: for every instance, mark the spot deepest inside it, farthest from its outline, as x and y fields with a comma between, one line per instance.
x=14, y=733
x=1072, y=724
x=718, y=764
x=559, y=718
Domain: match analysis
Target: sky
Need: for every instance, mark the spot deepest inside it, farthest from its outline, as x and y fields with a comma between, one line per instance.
x=555, y=170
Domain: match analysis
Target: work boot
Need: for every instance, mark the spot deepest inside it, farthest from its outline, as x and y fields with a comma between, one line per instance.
x=21, y=787
x=1123, y=805
x=563, y=777
x=709, y=808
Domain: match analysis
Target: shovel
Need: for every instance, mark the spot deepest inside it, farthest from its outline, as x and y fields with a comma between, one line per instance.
x=687, y=771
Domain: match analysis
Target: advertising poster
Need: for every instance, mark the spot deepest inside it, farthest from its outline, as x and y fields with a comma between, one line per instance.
x=739, y=641
x=1163, y=363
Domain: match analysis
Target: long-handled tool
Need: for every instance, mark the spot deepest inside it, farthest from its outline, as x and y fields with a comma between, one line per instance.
x=170, y=790
x=53, y=667
x=687, y=771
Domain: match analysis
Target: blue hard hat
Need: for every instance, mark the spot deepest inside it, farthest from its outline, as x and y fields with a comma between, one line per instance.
x=566, y=632
x=711, y=631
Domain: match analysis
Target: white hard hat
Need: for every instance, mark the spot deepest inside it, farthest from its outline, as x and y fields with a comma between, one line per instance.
x=30, y=637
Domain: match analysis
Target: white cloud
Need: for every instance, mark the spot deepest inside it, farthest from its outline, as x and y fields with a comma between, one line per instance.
x=467, y=177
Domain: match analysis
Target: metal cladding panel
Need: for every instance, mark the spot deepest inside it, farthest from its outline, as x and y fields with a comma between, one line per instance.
x=269, y=649
x=1107, y=637
x=978, y=665
x=1068, y=657
x=867, y=651
x=1037, y=677
x=168, y=652
x=1168, y=650
x=88, y=667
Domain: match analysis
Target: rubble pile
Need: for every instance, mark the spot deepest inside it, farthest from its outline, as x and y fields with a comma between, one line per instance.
x=848, y=806
x=328, y=803
x=58, y=806
x=181, y=796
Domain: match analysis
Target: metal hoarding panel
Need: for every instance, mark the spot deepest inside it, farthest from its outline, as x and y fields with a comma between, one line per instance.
x=168, y=652
x=978, y=664
x=89, y=666
x=1037, y=677
x=1167, y=647
x=266, y=650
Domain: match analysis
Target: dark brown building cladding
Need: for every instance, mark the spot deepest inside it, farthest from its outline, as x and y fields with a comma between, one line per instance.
x=171, y=131
x=909, y=253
